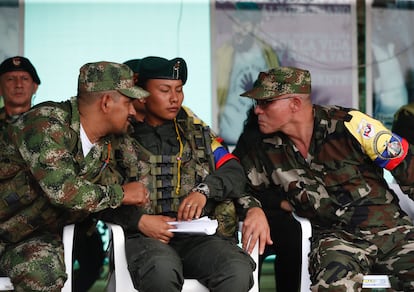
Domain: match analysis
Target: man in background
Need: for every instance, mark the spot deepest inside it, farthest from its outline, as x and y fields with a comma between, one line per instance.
x=18, y=83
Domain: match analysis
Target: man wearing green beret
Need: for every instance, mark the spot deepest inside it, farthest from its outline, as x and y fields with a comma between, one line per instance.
x=189, y=174
x=18, y=84
x=65, y=161
x=326, y=164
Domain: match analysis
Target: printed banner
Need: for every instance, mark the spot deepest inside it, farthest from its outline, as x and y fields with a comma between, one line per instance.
x=392, y=58
x=249, y=37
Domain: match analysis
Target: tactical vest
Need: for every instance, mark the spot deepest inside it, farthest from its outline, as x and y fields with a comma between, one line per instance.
x=169, y=182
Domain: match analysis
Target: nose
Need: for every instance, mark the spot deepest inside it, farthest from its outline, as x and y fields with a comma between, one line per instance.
x=174, y=97
x=18, y=82
x=132, y=111
x=258, y=110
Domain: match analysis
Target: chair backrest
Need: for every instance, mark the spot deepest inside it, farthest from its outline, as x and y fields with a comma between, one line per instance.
x=120, y=280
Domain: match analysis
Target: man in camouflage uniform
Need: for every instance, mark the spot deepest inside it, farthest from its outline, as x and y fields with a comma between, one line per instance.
x=66, y=160
x=189, y=175
x=327, y=162
x=285, y=230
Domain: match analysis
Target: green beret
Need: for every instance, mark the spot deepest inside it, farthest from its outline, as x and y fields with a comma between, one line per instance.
x=280, y=81
x=19, y=64
x=102, y=76
x=161, y=68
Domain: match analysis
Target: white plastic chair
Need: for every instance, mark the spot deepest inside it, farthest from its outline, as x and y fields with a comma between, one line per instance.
x=305, y=282
x=68, y=233
x=120, y=280
x=405, y=202
x=5, y=284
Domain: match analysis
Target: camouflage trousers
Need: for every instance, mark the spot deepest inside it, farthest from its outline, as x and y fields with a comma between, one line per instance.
x=339, y=259
x=35, y=264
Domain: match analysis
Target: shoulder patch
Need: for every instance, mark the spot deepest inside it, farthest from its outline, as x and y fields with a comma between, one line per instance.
x=383, y=146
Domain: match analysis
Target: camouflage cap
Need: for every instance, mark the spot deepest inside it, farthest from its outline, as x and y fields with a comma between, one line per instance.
x=279, y=81
x=101, y=76
x=19, y=63
x=161, y=68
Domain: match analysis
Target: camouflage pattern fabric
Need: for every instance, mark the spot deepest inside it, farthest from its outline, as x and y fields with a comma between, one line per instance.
x=340, y=189
x=46, y=182
x=338, y=264
x=101, y=76
x=36, y=264
x=279, y=81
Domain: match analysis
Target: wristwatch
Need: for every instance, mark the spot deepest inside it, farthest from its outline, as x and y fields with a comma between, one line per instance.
x=203, y=189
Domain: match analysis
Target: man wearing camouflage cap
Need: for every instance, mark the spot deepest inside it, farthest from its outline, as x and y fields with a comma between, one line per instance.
x=189, y=175
x=69, y=160
x=326, y=164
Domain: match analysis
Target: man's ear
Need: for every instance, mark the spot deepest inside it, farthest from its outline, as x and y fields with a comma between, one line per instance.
x=106, y=102
x=35, y=87
x=296, y=104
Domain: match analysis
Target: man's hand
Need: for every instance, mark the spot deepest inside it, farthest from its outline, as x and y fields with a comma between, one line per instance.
x=255, y=227
x=191, y=207
x=135, y=193
x=156, y=226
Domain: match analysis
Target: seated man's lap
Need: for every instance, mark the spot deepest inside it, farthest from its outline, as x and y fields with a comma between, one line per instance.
x=36, y=263
x=198, y=257
x=342, y=258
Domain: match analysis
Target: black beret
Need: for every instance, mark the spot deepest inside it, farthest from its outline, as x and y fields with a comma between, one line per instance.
x=133, y=64
x=18, y=63
x=161, y=68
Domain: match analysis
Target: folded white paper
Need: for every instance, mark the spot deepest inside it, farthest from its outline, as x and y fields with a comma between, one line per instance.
x=204, y=225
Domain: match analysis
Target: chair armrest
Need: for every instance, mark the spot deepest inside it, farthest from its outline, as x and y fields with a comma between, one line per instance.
x=255, y=257
x=123, y=280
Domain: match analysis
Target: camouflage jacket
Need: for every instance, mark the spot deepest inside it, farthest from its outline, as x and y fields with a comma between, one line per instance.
x=340, y=183
x=203, y=159
x=45, y=180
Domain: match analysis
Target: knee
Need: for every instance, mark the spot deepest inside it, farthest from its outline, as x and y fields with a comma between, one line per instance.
x=241, y=271
x=165, y=274
x=43, y=279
